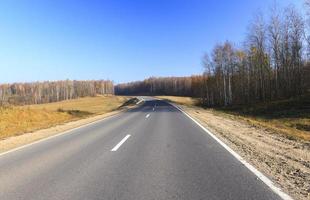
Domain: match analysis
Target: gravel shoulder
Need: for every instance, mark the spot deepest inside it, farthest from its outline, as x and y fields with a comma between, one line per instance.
x=285, y=161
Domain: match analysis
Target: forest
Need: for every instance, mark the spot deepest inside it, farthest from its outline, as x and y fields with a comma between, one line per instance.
x=271, y=64
x=52, y=91
x=175, y=86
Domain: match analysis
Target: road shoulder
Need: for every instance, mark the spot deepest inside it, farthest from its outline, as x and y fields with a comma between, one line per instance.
x=286, y=162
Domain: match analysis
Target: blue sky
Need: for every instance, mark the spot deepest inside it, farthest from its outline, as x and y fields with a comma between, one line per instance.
x=120, y=40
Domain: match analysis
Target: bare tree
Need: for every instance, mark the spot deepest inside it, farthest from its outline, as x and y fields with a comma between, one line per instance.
x=296, y=33
x=307, y=6
x=259, y=60
x=274, y=30
x=46, y=92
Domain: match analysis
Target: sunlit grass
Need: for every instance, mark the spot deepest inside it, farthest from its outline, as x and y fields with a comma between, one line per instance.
x=16, y=120
x=92, y=105
x=189, y=101
x=289, y=117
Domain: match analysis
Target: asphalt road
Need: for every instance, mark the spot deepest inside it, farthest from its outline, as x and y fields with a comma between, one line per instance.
x=151, y=152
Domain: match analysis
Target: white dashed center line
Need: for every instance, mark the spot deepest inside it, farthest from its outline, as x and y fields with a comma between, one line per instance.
x=120, y=143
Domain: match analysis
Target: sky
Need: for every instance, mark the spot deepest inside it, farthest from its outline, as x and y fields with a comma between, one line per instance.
x=120, y=40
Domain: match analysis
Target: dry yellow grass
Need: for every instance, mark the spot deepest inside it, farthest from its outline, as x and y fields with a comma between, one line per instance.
x=22, y=119
x=92, y=105
x=283, y=124
x=188, y=101
x=279, y=125
x=16, y=120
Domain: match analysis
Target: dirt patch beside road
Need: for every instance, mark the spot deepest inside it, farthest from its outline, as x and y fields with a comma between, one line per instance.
x=285, y=161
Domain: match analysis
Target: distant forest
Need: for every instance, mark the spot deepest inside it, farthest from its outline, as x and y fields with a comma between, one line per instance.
x=273, y=63
x=52, y=91
x=175, y=86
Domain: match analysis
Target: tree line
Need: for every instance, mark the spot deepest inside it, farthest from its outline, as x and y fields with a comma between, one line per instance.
x=184, y=86
x=272, y=63
x=52, y=91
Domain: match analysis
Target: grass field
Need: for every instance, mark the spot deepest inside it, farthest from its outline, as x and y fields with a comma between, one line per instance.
x=16, y=120
x=289, y=117
x=188, y=101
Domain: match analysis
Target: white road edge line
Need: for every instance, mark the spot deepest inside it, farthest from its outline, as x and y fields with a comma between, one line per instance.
x=147, y=116
x=262, y=177
x=120, y=143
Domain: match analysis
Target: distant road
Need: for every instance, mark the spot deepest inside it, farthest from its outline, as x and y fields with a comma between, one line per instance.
x=151, y=152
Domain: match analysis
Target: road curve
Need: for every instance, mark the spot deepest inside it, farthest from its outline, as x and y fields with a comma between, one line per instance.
x=150, y=152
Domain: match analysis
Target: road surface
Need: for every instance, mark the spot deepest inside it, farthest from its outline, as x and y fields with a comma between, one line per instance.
x=150, y=152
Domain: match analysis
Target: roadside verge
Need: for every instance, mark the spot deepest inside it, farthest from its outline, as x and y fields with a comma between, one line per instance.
x=20, y=141
x=261, y=176
x=284, y=160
